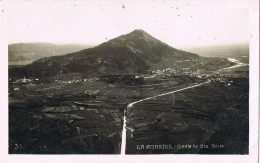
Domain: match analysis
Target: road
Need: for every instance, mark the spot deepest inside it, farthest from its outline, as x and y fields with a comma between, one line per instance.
x=123, y=144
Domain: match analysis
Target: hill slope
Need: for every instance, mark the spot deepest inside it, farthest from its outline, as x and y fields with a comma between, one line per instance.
x=136, y=52
x=33, y=51
x=233, y=50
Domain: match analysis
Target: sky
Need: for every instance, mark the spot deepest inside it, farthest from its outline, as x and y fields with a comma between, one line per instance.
x=179, y=23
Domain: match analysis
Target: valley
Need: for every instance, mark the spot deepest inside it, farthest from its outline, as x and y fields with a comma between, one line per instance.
x=79, y=103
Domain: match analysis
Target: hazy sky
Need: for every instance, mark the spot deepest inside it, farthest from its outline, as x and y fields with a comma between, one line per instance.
x=179, y=23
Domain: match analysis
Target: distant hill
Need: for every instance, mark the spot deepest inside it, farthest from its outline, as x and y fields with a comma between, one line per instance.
x=22, y=52
x=136, y=52
x=235, y=50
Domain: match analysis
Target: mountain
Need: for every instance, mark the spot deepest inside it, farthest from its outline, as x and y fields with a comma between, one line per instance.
x=22, y=52
x=136, y=52
x=233, y=50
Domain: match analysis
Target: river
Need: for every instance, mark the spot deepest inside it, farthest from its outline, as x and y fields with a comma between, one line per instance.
x=238, y=64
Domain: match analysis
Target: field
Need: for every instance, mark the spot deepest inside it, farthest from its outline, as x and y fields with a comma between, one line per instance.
x=75, y=116
x=216, y=113
x=81, y=114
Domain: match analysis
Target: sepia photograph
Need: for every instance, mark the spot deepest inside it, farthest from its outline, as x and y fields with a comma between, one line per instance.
x=131, y=78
